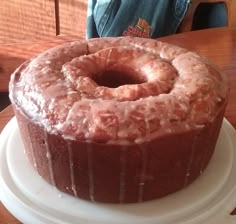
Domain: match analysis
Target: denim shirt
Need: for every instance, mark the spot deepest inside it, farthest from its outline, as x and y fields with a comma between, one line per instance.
x=142, y=18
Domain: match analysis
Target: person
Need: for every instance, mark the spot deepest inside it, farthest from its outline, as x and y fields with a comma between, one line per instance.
x=149, y=19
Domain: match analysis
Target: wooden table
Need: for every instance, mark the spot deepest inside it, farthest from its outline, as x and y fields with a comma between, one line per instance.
x=219, y=45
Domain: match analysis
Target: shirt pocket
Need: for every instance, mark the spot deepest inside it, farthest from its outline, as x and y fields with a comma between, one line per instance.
x=104, y=13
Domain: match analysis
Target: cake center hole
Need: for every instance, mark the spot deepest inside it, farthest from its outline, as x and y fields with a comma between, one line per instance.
x=114, y=78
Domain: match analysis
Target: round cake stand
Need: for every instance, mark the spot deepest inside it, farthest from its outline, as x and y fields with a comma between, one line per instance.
x=210, y=199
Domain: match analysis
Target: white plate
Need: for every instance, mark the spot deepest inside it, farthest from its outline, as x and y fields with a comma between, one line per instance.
x=209, y=199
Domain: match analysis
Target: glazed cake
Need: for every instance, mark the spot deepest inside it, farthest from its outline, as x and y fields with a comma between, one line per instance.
x=119, y=120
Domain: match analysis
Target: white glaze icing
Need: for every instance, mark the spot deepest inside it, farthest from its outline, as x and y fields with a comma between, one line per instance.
x=90, y=173
x=143, y=173
x=174, y=79
x=71, y=165
x=49, y=159
x=190, y=160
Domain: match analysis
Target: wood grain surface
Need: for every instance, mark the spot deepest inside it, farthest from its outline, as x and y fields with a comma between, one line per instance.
x=26, y=20
x=23, y=20
x=72, y=17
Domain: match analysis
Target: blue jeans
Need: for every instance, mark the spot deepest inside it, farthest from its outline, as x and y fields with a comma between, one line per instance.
x=152, y=18
x=147, y=18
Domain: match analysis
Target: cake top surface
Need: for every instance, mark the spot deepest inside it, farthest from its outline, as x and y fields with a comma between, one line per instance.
x=118, y=90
